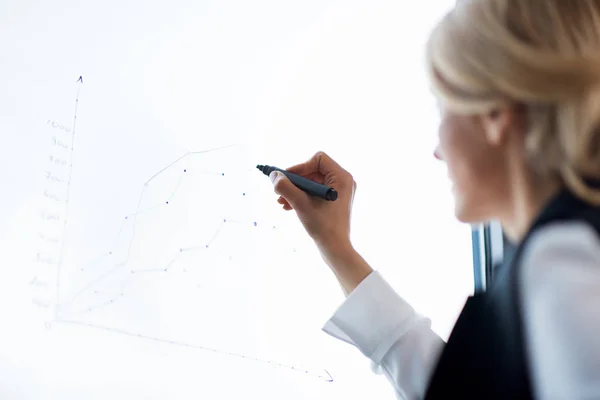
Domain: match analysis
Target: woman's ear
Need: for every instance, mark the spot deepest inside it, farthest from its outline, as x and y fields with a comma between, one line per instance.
x=497, y=124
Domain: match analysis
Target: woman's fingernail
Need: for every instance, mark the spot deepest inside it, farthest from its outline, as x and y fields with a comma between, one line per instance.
x=273, y=176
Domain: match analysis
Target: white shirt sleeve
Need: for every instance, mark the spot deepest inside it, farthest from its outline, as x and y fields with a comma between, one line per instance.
x=387, y=330
x=561, y=298
x=561, y=310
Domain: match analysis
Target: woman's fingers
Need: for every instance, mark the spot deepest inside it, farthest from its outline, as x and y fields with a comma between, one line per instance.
x=320, y=163
x=316, y=169
x=317, y=177
x=286, y=205
x=314, y=176
x=300, y=169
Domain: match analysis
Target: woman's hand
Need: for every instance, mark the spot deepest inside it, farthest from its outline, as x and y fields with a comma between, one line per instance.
x=327, y=222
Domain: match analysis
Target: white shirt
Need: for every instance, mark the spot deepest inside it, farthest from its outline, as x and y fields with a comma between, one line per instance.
x=560, y=275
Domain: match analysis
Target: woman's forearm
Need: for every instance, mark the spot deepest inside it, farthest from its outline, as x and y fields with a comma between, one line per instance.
x=348, y=266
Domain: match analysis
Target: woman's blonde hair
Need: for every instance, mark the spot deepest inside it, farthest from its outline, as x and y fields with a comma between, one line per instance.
x=540, y=54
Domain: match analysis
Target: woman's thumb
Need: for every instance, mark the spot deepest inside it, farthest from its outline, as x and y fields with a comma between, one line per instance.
x=284, y=187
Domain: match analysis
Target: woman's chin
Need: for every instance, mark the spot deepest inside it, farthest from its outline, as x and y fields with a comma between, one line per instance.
x=463, y=218
x=466, y=213
x=461, y=211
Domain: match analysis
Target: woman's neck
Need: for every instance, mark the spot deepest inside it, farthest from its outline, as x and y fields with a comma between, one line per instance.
x=523, y=205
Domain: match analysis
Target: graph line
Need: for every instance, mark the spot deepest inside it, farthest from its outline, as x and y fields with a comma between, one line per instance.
x=325, y=377
x=189, y=153
x=101, y=304
x=91, y=284
x=177, y=185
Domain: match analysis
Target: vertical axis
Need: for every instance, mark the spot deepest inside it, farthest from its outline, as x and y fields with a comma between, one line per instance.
x=64, y=230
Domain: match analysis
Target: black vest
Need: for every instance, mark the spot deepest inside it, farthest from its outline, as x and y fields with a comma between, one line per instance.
x=485, y=356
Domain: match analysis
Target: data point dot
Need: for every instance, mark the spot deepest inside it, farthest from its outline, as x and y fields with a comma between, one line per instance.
x=255, y=223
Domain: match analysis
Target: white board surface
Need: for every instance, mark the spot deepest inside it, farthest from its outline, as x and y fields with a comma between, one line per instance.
x=144, y=256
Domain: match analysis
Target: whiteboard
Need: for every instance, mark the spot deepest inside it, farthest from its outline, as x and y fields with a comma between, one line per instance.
x=144, y=256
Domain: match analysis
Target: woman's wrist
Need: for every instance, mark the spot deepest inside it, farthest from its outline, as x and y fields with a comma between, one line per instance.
x=346, y=263
x=336, y=248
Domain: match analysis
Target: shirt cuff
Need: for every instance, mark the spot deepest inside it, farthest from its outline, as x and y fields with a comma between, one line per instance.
x=372, y=318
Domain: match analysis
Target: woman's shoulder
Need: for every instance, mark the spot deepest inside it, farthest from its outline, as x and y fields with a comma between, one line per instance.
x=574, y=235
x=560, y=299
x=559, y=250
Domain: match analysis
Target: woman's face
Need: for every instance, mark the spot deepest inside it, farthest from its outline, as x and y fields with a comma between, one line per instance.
x=476, y=167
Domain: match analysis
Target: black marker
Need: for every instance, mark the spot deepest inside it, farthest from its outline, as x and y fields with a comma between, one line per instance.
x=311, y=187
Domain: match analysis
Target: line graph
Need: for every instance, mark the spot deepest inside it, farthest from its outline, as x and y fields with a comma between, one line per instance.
x=134, y=216
x=138, y=212
x=190, y=236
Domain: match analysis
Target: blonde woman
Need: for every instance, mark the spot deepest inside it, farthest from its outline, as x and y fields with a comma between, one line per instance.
x=519, y=87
